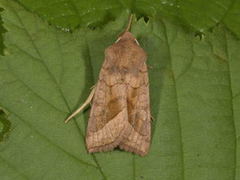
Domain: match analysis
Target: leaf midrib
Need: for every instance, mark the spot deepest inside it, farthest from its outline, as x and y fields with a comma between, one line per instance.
x=232, y=106
x=177, y=103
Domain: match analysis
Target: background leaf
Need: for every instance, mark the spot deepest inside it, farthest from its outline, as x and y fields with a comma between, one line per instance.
x=199, y=15
x=194, y=86
x=232, y=18
x=1, y=38
x=204, y=14
x=72, y=13
x=5, y=125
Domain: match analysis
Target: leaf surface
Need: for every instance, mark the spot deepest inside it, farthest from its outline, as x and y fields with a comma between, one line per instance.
x=194, y=88
x=199, y=15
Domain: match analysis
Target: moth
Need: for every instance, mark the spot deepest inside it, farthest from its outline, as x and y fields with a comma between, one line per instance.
x=120, y=113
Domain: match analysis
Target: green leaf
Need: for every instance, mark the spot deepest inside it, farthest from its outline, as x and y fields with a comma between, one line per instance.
x=95, y=13
x=204, y=14
x=5, y=125
x=232, y=18
x=198, y=14
x=194, y=88
x=1, y=38
x=73, y=13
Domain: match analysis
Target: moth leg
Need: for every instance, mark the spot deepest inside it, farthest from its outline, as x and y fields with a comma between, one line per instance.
x=150, y=67
x=152, y=118
x=93, y=86
x=86, y=103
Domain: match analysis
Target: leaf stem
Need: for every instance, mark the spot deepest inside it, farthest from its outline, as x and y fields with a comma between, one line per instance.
x=129, y=23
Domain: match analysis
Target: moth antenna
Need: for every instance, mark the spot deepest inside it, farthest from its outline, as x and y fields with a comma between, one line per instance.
x=86, y=103
x=129, y=23
x=149, y=67
x=137, y=42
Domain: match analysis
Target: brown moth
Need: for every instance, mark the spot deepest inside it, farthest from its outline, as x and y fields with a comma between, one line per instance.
x=120, y=113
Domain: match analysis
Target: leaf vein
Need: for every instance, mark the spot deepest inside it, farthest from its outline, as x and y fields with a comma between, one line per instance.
x=14, y=168
x=50, y=74
x=30, y=89
x=177, y=103
x=50, y=142
x=232, y=107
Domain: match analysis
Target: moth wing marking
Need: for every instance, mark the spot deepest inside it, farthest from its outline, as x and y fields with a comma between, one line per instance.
x=139, y=118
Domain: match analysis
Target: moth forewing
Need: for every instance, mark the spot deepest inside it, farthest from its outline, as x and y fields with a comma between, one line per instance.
x=120, y=113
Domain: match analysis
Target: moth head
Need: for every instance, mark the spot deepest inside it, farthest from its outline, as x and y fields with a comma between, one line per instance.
x=126, y=36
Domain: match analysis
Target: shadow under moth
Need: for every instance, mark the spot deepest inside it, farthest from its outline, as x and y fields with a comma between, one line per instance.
x=120, y=113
